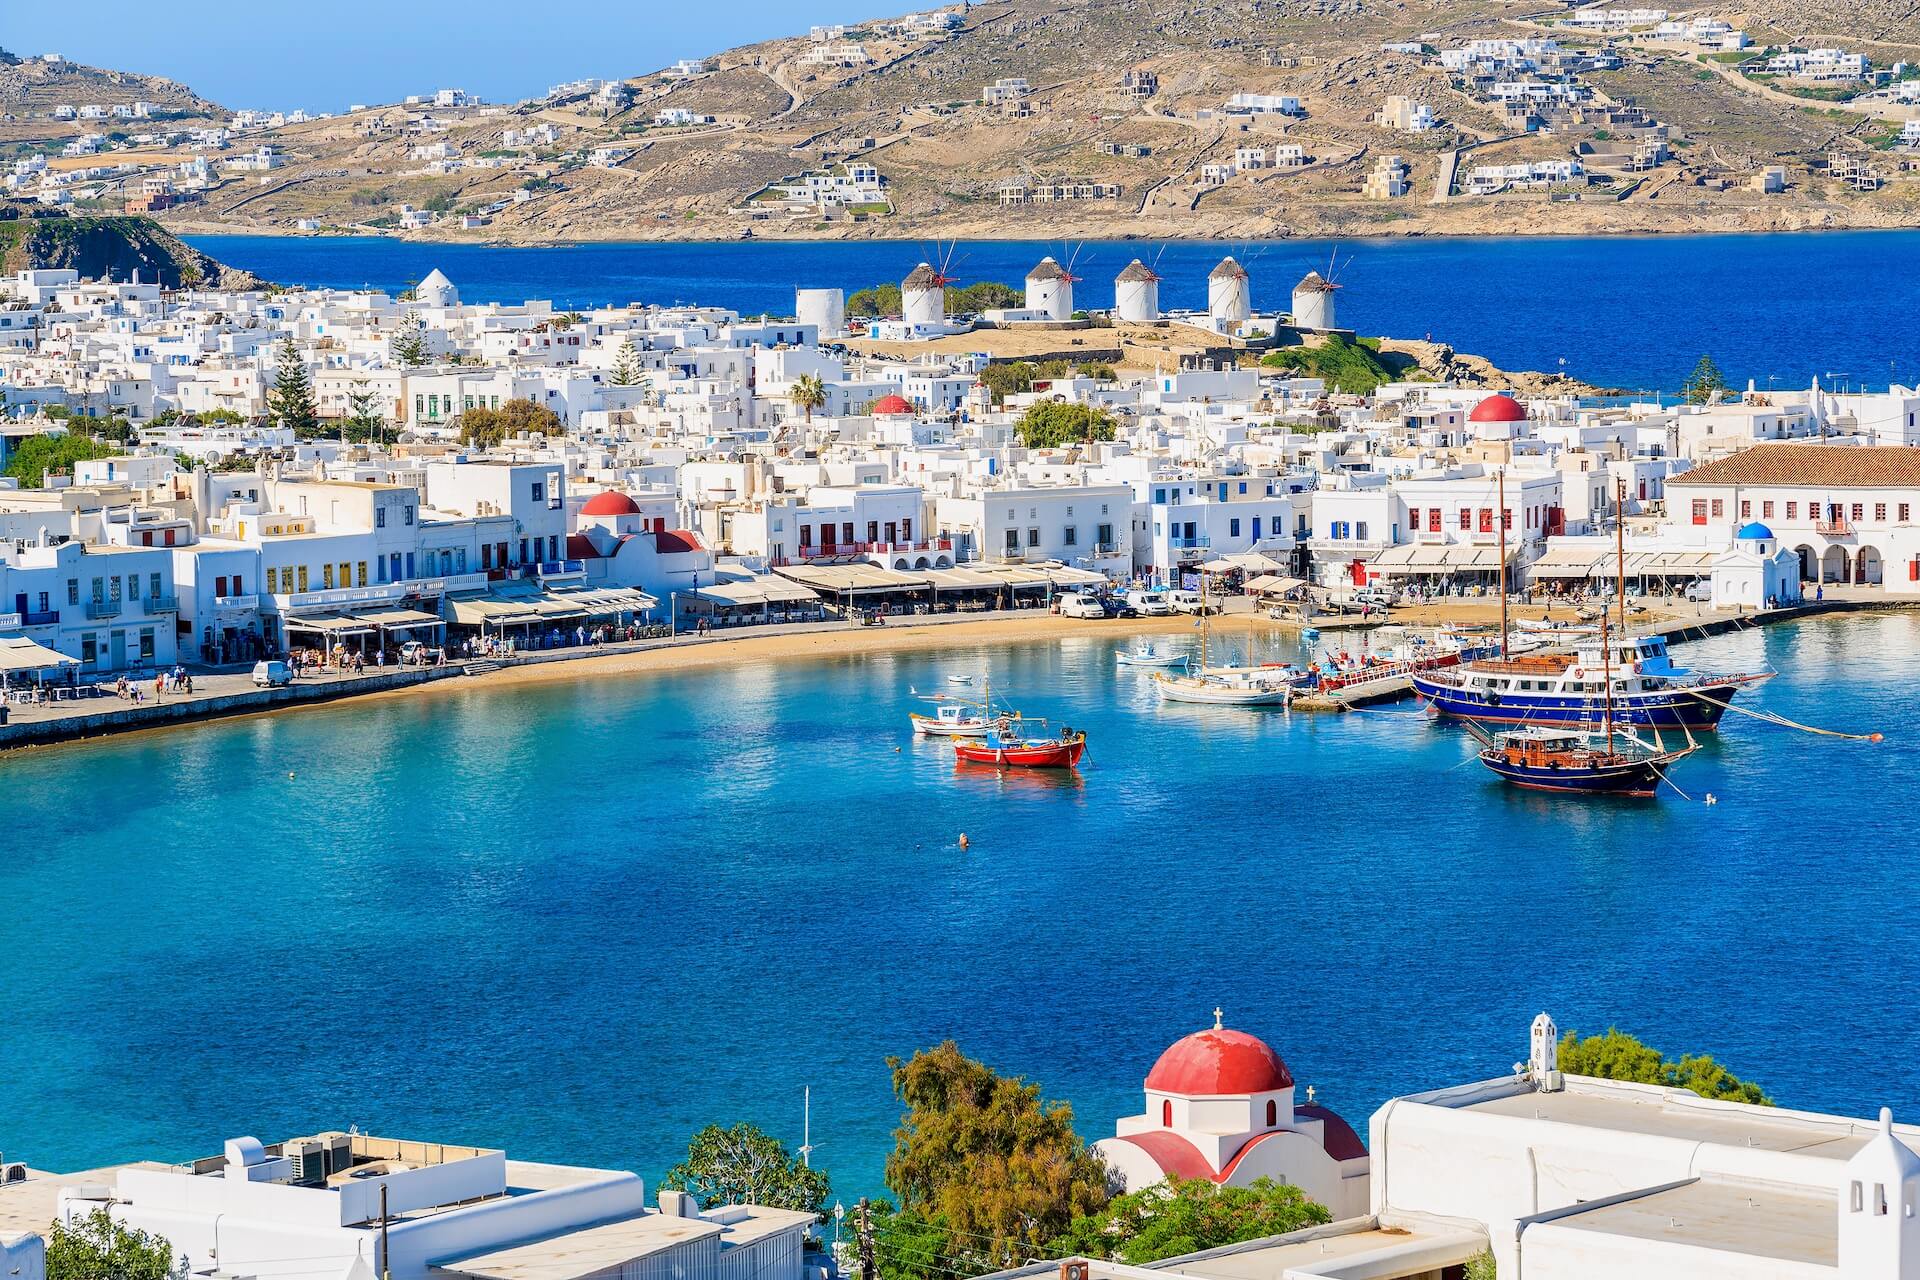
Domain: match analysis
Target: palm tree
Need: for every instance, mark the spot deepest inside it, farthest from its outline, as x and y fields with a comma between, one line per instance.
x=807, y=394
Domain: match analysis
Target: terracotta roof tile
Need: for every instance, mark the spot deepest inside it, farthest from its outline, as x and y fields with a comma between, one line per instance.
x=1826, y=466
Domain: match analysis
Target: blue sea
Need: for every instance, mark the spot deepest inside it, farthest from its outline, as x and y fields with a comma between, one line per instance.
x=1635, y=312
x=580, y=920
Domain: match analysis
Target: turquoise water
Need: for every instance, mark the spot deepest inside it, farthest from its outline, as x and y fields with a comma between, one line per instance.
x=580, y=920
x=1620, y=310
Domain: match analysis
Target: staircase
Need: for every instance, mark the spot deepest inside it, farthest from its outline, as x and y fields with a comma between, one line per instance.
x=480, y=668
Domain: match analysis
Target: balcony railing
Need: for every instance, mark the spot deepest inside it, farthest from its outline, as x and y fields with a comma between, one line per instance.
x=1200, y=543
x=1833, y=528
x=163, y=604
x=237, y=604
x=104, y=608
x=43, y=618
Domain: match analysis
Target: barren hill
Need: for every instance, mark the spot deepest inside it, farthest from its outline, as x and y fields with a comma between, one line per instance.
x=1122, y=129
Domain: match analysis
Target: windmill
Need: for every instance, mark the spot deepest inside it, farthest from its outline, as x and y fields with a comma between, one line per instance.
x=1050, y=285
x=923, y=294
x=1313, y=296
x=1136, y=291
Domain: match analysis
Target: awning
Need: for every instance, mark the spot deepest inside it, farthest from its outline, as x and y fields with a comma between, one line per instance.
x=1438, y=558
x=1245, y=561
x=17, y=653
x=607, y=601
x=1273, y=584
x=399, y=618
x=329, y=624
x=854, y=579
x=757, y=591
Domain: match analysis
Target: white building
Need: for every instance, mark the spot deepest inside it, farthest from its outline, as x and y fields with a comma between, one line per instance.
x=1079, y=525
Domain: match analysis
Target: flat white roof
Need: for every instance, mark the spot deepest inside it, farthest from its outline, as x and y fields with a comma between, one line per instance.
x=1665, y=1113
x=1725, y=1215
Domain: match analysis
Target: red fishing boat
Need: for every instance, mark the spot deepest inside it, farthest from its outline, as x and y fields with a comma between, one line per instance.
x=1003, y=749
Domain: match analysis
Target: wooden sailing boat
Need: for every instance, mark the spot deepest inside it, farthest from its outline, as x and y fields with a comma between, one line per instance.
x=1570, y=761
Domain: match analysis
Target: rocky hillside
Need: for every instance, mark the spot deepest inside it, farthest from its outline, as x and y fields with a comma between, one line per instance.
x=101, y=248
x=32, y=88
x=701, y=156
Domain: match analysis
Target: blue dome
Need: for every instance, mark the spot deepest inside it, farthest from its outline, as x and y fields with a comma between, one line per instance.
x=1754, y=530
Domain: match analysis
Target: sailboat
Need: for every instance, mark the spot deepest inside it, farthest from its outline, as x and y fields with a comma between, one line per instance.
x=1240, y=687
x=1148, y=656
x=961, y=717
x=1575, y=762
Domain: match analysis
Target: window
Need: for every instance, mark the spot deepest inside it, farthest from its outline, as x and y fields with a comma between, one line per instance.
x=1879, y=511
x=1105, y=535
x=1486, y=519
x=326, y=576
x=1273, y=1113
x=1360, y=530
x=303, y=577
x=1746, y=509
x=1166, y=1115
x=1070, y=536
x=846, y=531
x=99, y=590
x=407, y=514
x=1033, y=537
x=1766, y=511
x=873, y=531
x=146, y=643
x=133, y=586
x=1719, y=508
x=1013, y=540
x=1413, y=517
x=1903, y=512
x=1793, y=509
x=153, y=584
x=73, y=591
x=1859, y=510
x=1699, y=510
x=539, y=492
x=362, y=575
x=1233, y=528
x=1466, y=519
x=1433, y=521
x=379, y=517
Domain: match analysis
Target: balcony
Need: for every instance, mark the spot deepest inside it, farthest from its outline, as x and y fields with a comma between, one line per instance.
x=44, y=618
x=1833, y=528
x=1200, y=543
x=235, y=604
x=104, y=608
x=163, y=604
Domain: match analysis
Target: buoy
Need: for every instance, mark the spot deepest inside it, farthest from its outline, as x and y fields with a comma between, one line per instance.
x=1875, y=737
x=289, y=773
x=1710, y=798
x=963, y=839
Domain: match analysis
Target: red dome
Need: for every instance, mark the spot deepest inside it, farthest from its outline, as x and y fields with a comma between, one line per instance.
x=1219, y=1062
x=1501, y=408
x=610, y=503
x=893, y=406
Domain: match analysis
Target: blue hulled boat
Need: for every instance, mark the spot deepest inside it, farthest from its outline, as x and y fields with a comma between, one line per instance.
x=1571, y=690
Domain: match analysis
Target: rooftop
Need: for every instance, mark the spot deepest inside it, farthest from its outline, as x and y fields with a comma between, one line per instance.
x=1727, y=1215
x=604, y=1249
x=1812, y=465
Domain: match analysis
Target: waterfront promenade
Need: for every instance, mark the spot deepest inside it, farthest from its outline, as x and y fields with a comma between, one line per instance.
x=230, y=691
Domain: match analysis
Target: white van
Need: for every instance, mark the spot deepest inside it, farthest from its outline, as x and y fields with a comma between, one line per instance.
x=1150, y=604
x=1190, y=602
x=272, y=675
x=1080, y=605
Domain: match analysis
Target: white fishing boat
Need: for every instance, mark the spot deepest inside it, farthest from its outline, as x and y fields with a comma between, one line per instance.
x=1224, y=686
x=957, y=717
x=1148, y=656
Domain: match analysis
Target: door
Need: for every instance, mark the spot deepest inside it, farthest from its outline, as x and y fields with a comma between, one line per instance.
x=117, y=650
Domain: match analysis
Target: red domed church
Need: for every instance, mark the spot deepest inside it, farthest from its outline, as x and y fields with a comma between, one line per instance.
x=1220, y=1106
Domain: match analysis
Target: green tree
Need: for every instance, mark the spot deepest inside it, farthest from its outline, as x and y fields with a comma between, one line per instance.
x=626, y=369
x=1615, y=1055
x=364, y=420
x=881, y=300
x=807, y=393
x=984, y=1158
x=1351, y=367
x=1011, y=378
x=409, y=344
x=98, y=1248
x=37, y=455
x=987, y=295
x=1053, y=423
x=744, y=1165
x=290, y=402
x=1704, y=385
x=1180, y=1216
x=485, y=428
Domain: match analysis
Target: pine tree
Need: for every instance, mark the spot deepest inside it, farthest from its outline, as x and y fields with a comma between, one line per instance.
x=1705, y=385
x=410, y=341
x=626, y=365
x=291, y=399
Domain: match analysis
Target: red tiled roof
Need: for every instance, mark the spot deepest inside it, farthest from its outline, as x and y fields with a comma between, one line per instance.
x=580, y=547
x=1827, y=466
x=668, y=541
x=1336, y=1135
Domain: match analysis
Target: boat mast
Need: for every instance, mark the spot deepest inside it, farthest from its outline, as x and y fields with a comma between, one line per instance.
x=1204, y=621
x=1606, y=671
x=1501, y=516
x=1620, y=548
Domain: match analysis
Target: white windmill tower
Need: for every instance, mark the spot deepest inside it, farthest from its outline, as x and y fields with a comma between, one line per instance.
x=1313, y=300
x=923, y=294
x=1050, y=287
x=1229, y=296
x=1136, y=294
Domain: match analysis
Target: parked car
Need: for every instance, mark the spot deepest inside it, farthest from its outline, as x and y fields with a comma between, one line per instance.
x=272, y=675
x=1117, y=606
x=417, y=653
x=1150, y=604
x=1379, y=597
x=1190, y=602
x=1701, y=592
x=1077, y=605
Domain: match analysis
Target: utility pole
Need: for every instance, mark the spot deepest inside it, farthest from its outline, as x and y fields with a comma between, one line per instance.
x=867, y=1269
x=386, y=1261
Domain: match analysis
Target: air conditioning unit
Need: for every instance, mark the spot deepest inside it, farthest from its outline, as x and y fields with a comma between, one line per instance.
x=309, y=1157
x=339, y=1151
x=12, y=1173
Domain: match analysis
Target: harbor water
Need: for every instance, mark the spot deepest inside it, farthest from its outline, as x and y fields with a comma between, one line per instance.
x=581, y=919
x=1621, y=311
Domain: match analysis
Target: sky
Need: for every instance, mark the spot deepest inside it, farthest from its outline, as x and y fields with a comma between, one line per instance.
x=323, y=55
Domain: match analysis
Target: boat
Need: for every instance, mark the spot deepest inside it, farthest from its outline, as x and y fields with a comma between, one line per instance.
x=1225, y=686
x=961, y=717
x=1004, y=749
x=1148, y=656
x=1575, y=763
x=1632, y=673
x=960, y=679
